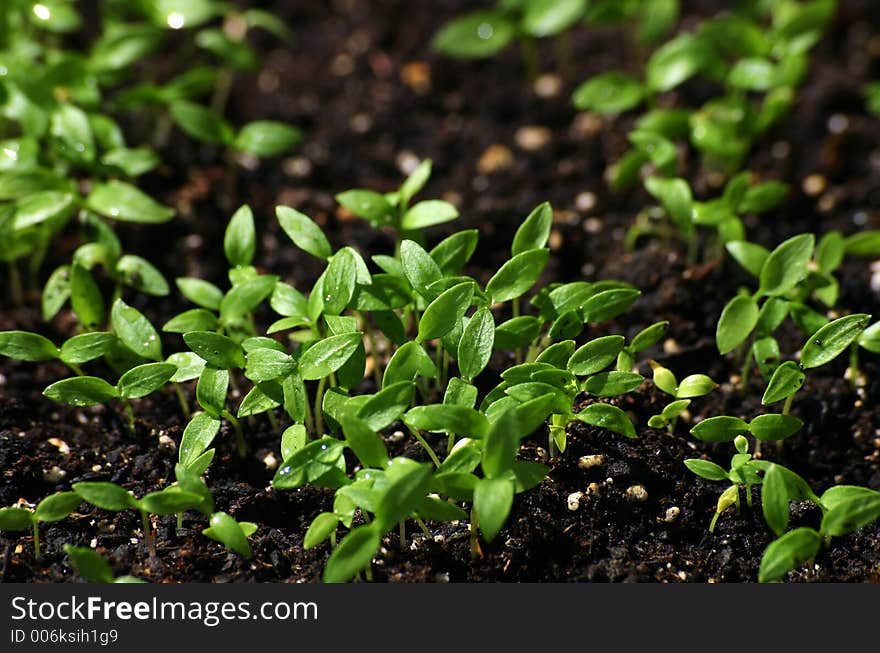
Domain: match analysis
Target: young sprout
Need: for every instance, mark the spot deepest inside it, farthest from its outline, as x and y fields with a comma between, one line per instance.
x=89, y=564
x=55, y=507
x=695, y=385
x=109, y=496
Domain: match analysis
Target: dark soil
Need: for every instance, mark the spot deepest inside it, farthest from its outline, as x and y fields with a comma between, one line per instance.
x=361, y=82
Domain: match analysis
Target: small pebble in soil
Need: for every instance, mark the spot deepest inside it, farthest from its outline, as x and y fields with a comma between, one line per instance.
x=94, y=543
x=532, y=138
x=548, y=86
x=838, y=123
x=555, y=240
x=417, y=75
x=585, y=125
x=814, y=184
x=396, y=436
x=297, y=166
x=61, y=445
x=96, y=468
x=441, y=577
x=593, y=490
x=875, y=276
x=780, y=150
x=54, y=475
x=585, y=201
x=360, y=123
x=671, y=346
x=406, y=162
x=540, y=453
x=270, y=461
x=166, y=441
x=2, y=380
x=637, y=493
x=573, y=500
x=593, y=460
x=495, y=158
x=672, y=514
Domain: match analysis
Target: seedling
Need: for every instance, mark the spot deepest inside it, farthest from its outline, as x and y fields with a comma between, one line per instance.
x=231, y=534
x=694, y=385
x=112, y=497
x=89, y=564
x=53, y=508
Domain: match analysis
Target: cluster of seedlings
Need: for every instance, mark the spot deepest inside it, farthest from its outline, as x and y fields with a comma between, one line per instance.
x=407, y=340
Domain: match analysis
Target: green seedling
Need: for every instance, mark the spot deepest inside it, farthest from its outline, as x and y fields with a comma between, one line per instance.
x=55, y=507
x=694, y=385
x=231, y=534
x=89, y=564
x=112, y=497
x=396, y=211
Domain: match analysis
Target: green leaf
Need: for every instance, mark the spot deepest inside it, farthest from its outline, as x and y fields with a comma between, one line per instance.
x=675, y=62
x=517, y=275
x=415, y=182
x=197, y=437
x=609, y=93
x=228, y=532
x=772, y=427
x=840, y=494
x=339, y=281
x=328, y=355
x=695, y=385
x=240, y=239
x=608, y=417
x=719, y=429
x=199, y=292
x=870, y=338
x=420, y=269
x=293, y=439
x=446, y=418
x=612, y=384
x=57, y=506
x=408, y=362
x=752, y=74
x=265, y=138
x=789, y=551
x=15, y=519
x=475, y=35
x=762, y=197
x=368, y=204
x=446, y=311
x=427, y=214
x=56, y=292
x=706, y=469
x=550, y=17
x=170, y=501
x=89, y=564
x=851, y=514
x=864, y=243
x=493, y=499
x=608, y=304
x=596, y=355
x=649, y=336
x=244, y=298
x=738, y=320
x=196, y=319
x=408, y=486
x=48, y=209
x=189, y=366
x=264, y=396
x=107, y=496
x=144, y=379
x=85, y=297
x=676, y=198
x=201, y=123
x=775, y=500
x=264, y=364
x=85, y=347
x=831, y=340
x=517, y=332
x=304, y=232
x=141, y=275
x=354, y=553
x=387, y=405
x=135, y=331
x=218, y=350
x=534, y=230
x=321, y=528
x=475, y=346
x=749, y=255
x=211, y=390
x=453, y=252
x=81, y=391
x=786, y=380
x=27, y=346
x=364, y=441
x=122, y=201
x=69, y=126
x=786, y=265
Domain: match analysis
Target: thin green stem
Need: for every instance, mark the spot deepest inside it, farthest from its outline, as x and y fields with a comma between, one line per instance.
x=181, y=397
x=786, y=407
x=129, y=413
x=36, y=524
x=76, y=368
x=418, y=436
x=15, y=290
x=318, y=409
x=239, y=434
x=401, y=535
x=854, y=365
x=273, y=421
x=472, y=527
x=149, y=535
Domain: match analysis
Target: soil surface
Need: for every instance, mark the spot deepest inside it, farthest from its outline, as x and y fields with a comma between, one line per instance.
x=371, y=98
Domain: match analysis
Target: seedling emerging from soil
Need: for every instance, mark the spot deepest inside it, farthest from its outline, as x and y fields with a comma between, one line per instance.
x=89, y=564
x=55, y=507
x=112, y=497
x=694, y=385
x=231, y=534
